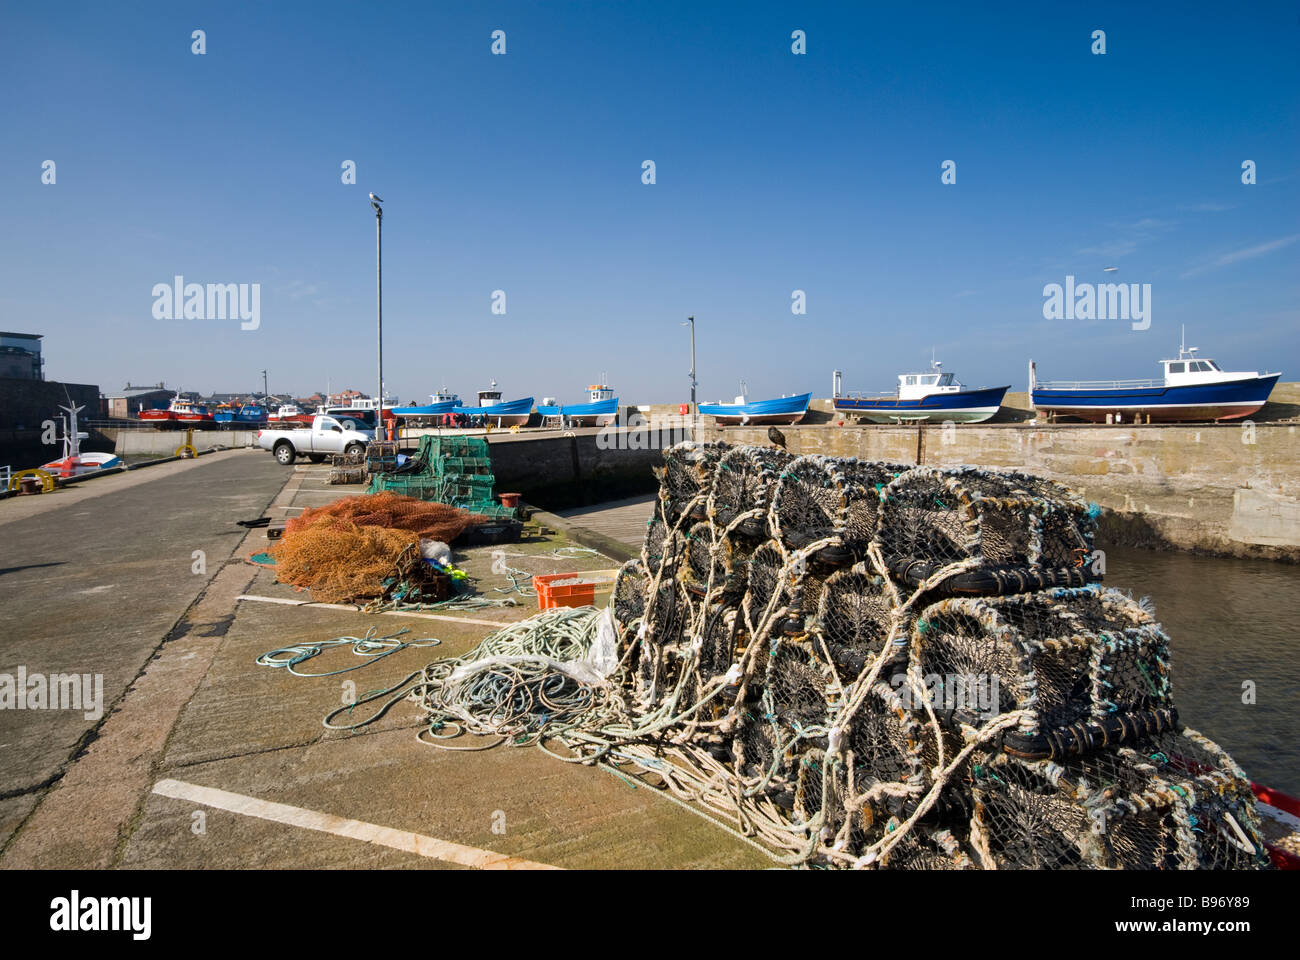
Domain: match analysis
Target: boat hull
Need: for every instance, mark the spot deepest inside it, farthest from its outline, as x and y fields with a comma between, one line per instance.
x=510, y=414
x=598, y=413
x=428, y=410
x=162, y=419
x=1230, y=400
x=82, y=464
x=782, y=410
x=963, y=406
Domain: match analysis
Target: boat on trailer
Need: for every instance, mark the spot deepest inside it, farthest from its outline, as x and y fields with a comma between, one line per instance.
x=933, y=396
x=1193, y=388
x=600, y=410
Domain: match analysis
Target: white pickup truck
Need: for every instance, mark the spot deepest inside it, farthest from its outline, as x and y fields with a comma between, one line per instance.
x=324, y=437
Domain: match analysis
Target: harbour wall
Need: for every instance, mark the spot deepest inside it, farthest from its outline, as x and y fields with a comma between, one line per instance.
x=1230, y=489
x=147, y=442
x=1225, y=489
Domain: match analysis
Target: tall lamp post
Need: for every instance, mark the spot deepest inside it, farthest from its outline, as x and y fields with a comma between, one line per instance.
x=379, y=281
x=694, y=415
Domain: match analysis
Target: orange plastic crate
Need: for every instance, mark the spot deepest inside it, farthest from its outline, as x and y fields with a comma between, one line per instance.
x=572, y=594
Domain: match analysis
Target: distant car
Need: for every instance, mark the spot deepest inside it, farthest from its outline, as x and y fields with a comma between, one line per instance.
x=325, y=436
x=352, y=418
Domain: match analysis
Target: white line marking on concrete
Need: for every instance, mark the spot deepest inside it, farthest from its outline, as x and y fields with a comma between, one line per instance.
x=404, y=840
x=387, y=613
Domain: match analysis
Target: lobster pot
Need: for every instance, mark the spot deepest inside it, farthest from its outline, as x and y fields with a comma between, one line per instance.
x=784, y=716
x=810, y=502
x=855, y=620
x=767, y=587
x=742, y=488
x=710, y=565
x=662, y=544
x=932, y=518
x=866, y=478
x=873, y=783
x=688, y=477
x=1168, y=803
x=925, y=848
x=718, y=638
x=1089, y=666
x=629, y=595
x=661, y=643
x=808, y=581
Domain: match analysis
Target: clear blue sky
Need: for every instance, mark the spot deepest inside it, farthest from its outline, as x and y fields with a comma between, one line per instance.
x=522, y=172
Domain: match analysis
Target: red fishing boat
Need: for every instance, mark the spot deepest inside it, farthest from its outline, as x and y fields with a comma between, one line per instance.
x=180, y=414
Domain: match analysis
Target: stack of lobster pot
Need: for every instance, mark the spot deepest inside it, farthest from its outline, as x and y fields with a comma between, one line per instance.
x=913, y=667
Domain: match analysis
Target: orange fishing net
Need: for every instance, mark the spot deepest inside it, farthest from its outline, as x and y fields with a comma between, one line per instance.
x=339, y=560
x=394, y=511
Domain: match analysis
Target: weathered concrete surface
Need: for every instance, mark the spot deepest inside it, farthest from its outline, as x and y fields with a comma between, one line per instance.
x=1226, y=489
x=96, y=577
x=202, y=712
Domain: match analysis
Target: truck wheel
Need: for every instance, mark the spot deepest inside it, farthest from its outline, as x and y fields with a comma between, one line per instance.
x=284, y=453
x=354, y=450
x=316, y=457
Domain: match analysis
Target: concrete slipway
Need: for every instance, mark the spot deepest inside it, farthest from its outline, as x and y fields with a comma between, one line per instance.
x=204, y=760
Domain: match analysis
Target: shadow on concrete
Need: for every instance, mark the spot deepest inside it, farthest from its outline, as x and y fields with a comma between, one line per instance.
x=31, y=566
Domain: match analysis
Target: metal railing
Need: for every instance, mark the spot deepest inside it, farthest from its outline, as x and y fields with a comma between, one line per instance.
x=1097, y=384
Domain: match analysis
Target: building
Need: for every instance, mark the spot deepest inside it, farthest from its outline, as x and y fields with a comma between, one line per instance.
x=20, y=356
x=127, y=403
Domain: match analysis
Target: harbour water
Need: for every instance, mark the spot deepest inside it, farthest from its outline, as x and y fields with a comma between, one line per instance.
x=1230, y=622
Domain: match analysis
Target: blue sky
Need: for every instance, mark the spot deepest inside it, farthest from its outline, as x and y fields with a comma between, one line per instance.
x=522, y=173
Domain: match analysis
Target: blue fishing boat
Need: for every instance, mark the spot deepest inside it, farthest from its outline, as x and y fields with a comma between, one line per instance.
x=600, y=410
x=439, y=404
x=247, y=414
x=746, y=412
x=1192, y=389
x=490, y=408
x=934, y=396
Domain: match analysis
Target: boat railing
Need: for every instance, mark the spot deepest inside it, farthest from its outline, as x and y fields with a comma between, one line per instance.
x=1096, y=384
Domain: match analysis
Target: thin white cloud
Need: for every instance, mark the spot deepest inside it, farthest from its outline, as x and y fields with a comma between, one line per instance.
x=1249, y=253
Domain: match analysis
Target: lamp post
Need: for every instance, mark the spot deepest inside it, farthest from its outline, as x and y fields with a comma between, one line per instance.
x=694, y=416
x=379, y=303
